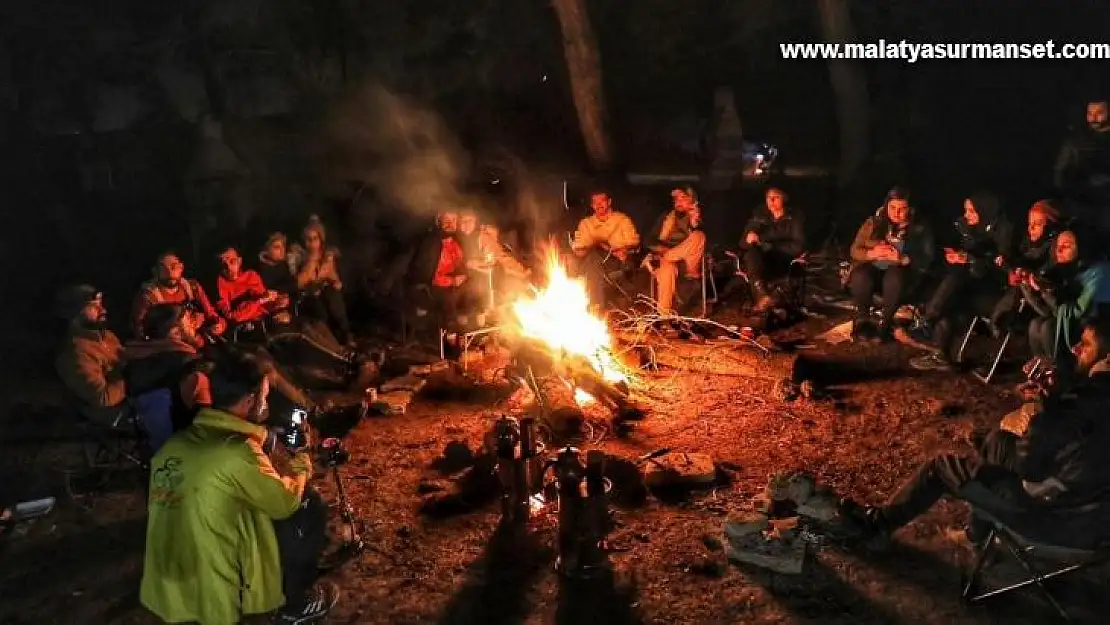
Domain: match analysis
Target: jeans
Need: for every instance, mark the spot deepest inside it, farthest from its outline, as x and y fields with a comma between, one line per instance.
x=760, y=264
x=688, y=253
x=978, y=479
x=301, y=539
x=598, y=268
x=895, y=282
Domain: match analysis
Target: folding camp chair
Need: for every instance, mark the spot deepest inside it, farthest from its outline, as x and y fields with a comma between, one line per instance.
x=790, y=288
x=707, y=283
x=1041, y=561
x=985, y=378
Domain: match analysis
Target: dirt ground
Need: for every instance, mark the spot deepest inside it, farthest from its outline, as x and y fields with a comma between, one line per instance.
x=82, y=565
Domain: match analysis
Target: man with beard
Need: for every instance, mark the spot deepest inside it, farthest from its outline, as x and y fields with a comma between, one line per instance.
x=970, y=277
x=1082, y=172
x=90, y=362
x=1052, y=450
x=681, y=243
x=170, y=286
x=603, y=245
x=233, y=529
x=439, y=275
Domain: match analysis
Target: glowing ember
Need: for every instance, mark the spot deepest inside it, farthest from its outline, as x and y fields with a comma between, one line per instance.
x=582, y=398
x=559, y=316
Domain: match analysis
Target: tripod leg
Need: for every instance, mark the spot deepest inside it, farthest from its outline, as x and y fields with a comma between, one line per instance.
x=347, y=512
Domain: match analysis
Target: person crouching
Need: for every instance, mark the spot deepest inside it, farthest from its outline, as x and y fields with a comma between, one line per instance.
x=230, y=531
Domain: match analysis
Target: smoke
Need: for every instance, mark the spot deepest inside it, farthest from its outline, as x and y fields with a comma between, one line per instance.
x=402, y=151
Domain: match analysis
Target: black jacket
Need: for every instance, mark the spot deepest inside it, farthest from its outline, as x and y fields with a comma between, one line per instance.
x=158, y=364
x=787, y=235
x=1068, y=440
x=1034, y=256
x=988, y=239
x=1082, y=171
x=426, y=259
x=276, y=276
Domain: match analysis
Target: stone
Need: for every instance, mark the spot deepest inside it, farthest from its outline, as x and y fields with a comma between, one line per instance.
x=822, y=506
x=679, y=468
x=776, y=548
x=410, y=383
x=393, y=402
x=746, y=523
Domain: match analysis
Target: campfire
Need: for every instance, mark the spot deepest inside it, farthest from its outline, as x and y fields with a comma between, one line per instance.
x=556, y=320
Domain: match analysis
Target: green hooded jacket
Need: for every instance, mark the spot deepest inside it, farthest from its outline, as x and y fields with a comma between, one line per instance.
x=211, y=552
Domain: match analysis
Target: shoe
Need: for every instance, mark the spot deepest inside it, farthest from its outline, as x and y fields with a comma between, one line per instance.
x=319, y=602
x=930, y=362
x=862, y=330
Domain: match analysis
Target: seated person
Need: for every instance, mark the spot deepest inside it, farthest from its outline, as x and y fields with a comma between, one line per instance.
x=91, y=361
x=603, y=245
x=243, y=296
x=1052, y=447
x=773, y=237
x=890, y=253
x=170, y=286
x=222, y=497
x=468, y=232
x=1082, y=171
x=1061, y=297
x=164, y=360
x=509, y=275
x=274, y=267
x=1033, y=255
x=970, y=276
x=681, y=242
x=439, y=273
x=317, y=275
x=168, y=358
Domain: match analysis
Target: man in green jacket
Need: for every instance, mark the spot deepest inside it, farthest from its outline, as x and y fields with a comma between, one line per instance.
x=229, y=534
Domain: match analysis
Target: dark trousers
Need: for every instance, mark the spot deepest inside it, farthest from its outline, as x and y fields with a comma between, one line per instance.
x=761, y=265
x=301, y=539
x=895, y=284
x=1005, y=309
x=599, y=269
x=327, y=305
x=982, y=479
x=956, y=299
x=946, y=298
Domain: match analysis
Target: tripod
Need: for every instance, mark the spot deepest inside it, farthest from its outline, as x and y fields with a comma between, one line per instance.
x=333, y=456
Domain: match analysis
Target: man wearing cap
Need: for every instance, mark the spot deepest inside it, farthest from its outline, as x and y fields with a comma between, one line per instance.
x=680, y=242
x=170, y=286
x=90, y=361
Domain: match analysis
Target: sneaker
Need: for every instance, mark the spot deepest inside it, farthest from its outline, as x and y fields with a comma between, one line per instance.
x=883, y=333
x=318, y=603
x=862, y=330
x=930, y=362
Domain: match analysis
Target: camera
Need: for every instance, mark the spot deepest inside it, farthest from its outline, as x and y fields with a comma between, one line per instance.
x=296, y=433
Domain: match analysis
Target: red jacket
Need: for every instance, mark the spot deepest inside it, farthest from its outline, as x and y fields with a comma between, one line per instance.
x=452, y=261
x=240, y=298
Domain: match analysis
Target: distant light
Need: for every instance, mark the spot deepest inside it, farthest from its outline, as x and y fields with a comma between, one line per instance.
x=544, y=79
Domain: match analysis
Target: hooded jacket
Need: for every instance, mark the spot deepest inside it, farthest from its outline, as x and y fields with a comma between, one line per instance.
x=917, y=239
x=211, y=552
x=786, y=235
x=240, y=299
x=91, y=365
x=988, y=239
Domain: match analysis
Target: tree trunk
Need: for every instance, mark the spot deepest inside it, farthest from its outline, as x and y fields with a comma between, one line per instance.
x=849, y=86
x=584, y=67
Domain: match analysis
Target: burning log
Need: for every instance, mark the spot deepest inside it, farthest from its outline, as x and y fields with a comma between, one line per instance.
x=534, y=354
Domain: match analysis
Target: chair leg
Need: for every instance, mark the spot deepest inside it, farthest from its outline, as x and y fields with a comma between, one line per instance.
x=967, y=339
x=976, y=571
x=986, y=379
x=442, y=346
x=1036, y=577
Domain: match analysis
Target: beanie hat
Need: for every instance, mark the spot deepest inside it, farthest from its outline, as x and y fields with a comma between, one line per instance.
x=315, y=225
x=70, y=300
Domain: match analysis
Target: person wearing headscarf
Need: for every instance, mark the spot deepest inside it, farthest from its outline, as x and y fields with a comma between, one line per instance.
x=274, y=265
x=890, y=253
x=1063, y=296
x=317, y=272
x=1032, y=255
x=971, y=276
